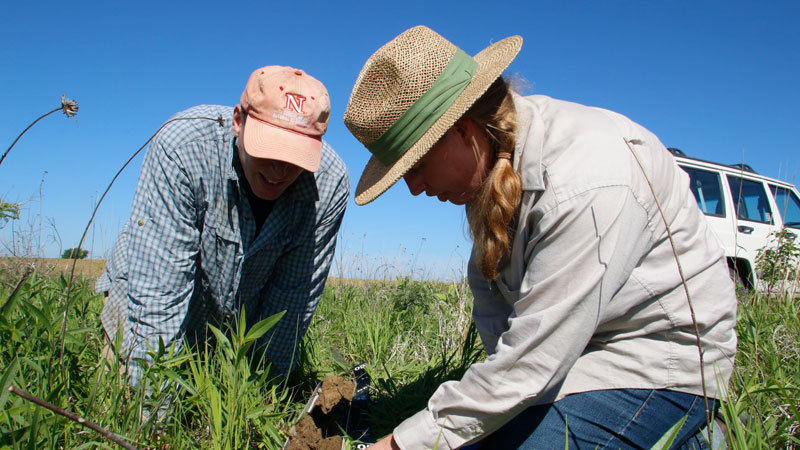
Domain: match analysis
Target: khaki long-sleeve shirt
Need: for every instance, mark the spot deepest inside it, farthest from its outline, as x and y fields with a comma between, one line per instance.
x=592, y=296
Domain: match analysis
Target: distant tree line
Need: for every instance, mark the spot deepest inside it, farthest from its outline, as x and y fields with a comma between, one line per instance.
x=75, y=253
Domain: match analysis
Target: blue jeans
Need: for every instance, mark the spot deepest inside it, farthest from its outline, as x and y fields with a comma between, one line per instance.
x=613, y=419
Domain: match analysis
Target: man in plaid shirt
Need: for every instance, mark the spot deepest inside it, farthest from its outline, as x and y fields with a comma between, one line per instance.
x=235, y=208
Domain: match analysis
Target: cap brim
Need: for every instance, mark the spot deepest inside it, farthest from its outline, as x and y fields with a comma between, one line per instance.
x=492, y=61
x=264, y=140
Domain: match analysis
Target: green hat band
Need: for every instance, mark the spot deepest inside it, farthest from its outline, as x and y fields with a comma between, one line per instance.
x=426, y=110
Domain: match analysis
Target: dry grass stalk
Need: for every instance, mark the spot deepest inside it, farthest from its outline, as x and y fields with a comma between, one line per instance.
x=630, y=144
x=68, y=107
x=77, y=419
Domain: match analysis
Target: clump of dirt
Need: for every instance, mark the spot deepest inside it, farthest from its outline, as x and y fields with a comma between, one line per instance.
x=335, y=392
x=322, y=429
x=308, y=436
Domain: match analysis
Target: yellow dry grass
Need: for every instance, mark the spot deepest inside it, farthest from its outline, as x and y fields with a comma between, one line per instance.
x=89, y=268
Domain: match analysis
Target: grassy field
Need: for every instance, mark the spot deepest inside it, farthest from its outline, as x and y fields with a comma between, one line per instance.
x=412, y=336
x=88, y=268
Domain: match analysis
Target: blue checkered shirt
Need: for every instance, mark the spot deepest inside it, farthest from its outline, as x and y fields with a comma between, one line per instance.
x=189, y=254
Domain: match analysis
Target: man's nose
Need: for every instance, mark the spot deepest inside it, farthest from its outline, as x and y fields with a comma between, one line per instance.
x=277, y=169
x=414, y=183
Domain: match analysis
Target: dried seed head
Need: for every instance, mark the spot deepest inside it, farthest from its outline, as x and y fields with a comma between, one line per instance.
x=69, y=107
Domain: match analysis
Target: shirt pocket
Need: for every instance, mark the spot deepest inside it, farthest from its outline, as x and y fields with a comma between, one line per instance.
x=504, y=291
x=219, y=261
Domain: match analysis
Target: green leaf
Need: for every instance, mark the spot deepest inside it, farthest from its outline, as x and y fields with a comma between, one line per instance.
x=241, y=325
x=666, y=440
x=242, y=351
x=76, y=336
x=5, y=382
x=177, y=360
x=160, y=349
x=179, y=379
x=222, y=341
x=263, y=412
x=215, y=406
x=258, y=330
x=32, y=365
x=16, y=435
x=8, y=303
x=94, y=445
x=79, y=331
x=273, y=433
x=34, y=430
x=43, y=320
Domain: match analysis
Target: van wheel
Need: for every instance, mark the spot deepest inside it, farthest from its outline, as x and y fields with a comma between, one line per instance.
x=739, y=286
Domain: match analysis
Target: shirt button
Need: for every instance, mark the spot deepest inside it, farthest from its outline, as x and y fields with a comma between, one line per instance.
x=141, y=222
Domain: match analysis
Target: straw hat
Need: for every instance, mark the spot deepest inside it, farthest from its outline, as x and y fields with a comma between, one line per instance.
x=392, y=81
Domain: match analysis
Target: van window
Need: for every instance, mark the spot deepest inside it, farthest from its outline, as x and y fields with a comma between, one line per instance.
x=788, y=205
x=707, y=190
x=750, y=200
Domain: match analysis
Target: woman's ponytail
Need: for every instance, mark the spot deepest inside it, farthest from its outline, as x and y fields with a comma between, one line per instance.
x=492, y=213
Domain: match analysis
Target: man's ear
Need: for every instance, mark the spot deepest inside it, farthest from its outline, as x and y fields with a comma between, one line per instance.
x=237, y=120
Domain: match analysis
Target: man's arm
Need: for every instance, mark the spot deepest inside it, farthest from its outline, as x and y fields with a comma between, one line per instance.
x=162, y=251
x=299, y=276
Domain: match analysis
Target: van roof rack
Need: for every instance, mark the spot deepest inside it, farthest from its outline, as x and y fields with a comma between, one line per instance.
x=740, y=166
x=743, y=167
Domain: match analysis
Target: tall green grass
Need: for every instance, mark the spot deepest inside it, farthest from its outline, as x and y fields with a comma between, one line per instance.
x=220, y=398
x=412, y=335
x=763, y=408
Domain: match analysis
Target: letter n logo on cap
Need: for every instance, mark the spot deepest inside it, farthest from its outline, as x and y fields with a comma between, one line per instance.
x=294, y=103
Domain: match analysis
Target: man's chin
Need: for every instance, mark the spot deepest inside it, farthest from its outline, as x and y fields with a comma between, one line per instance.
x=271, y=193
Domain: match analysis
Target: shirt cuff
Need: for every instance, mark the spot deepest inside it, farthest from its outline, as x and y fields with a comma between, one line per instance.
x=421, y=431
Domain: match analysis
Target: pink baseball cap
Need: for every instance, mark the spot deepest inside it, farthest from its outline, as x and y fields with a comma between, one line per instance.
x=287, y=114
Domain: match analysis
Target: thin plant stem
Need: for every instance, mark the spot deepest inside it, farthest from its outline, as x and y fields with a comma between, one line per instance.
x=683, y=282
x=26, y=129
x=63, y=332
x=75, y=418
x=68, y=107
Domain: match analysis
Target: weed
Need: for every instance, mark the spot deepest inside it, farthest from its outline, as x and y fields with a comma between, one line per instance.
x=778, y=263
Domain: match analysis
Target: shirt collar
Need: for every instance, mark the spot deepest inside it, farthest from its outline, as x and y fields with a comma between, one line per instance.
x=232, y=162
x=529, y=144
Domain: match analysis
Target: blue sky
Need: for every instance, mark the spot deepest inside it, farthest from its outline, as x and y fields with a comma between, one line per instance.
x=716, y=79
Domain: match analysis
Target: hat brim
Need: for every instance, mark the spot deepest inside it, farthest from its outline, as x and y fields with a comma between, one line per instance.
x=265, y=140
x=492, y=61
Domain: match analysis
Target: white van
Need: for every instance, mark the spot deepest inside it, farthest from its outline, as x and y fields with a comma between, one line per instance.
x=742, y=208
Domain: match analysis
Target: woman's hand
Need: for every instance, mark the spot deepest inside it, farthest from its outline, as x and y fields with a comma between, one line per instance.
x=386, y=443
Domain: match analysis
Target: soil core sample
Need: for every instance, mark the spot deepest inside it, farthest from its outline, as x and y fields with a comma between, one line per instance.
x=323, y=427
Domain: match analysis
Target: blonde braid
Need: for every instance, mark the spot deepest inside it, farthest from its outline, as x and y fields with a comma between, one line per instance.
x=491, y=214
